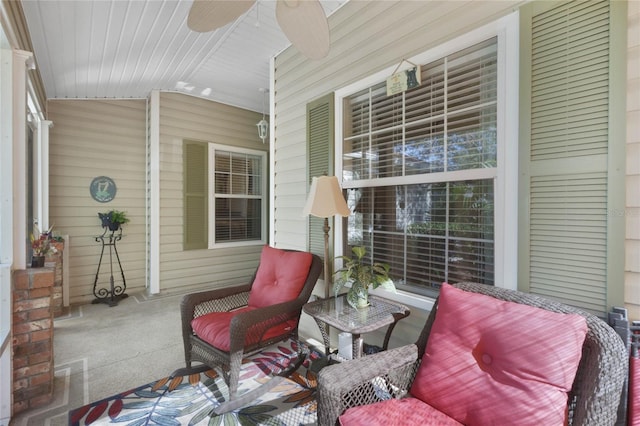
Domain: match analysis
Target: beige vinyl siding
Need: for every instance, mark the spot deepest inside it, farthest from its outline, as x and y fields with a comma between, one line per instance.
x=93, y=138
x=184, y=117
x=631, y=213
x=365, y=38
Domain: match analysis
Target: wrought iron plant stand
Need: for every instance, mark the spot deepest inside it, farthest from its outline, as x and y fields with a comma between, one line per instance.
x=114, y=293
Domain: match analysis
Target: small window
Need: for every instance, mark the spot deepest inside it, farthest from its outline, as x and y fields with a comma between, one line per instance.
x=237, y=201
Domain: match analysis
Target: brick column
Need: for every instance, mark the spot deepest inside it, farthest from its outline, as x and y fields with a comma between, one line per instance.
x=55, y=261
x=32, y=338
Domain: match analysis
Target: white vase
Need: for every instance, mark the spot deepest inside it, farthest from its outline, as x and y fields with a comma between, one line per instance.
x=358, y=299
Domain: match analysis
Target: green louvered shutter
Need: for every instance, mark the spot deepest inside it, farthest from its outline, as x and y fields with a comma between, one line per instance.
x=320, y=131
x=566, y=228
x=195, y=160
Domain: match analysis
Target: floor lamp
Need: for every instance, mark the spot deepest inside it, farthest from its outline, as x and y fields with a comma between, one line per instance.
x=326, y=200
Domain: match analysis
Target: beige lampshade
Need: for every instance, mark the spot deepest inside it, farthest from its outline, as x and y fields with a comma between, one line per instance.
x=325, y=198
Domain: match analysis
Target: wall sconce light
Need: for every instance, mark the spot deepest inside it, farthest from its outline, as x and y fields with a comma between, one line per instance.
x=263, y=125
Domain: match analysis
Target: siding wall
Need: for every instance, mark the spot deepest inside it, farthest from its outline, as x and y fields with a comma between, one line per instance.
x=369, y=36
x=93, y=138
x=108, y=137
x=365, y=37
x=632, y=211
x=186, y=117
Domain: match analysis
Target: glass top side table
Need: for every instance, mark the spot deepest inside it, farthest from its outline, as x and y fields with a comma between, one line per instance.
x=336, y=312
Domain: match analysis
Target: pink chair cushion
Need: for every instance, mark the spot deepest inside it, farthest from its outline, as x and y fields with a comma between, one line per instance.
x=280, y=277
x=213, y=328
x=407, y=411
x=494, y=362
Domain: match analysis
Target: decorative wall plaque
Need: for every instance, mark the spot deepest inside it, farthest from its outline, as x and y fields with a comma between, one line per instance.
x=404, y=80
x=103, y=189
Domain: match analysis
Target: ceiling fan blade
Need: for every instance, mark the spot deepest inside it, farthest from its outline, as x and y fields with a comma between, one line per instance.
x=305, y=25
x=207, y=15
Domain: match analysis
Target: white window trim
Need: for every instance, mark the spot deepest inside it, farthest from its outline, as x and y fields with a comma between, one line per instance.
x=506, y=175
x=212, y=198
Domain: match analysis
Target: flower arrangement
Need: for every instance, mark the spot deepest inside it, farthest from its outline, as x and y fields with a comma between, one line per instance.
x=41, y=242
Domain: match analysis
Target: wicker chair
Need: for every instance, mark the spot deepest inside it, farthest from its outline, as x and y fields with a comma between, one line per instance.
x=250, y=330
x=593, y=400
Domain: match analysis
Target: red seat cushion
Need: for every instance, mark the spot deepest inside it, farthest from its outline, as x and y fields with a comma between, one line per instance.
x=407, y=411
x=213, y=328
x=494, y=362
x=280, y=277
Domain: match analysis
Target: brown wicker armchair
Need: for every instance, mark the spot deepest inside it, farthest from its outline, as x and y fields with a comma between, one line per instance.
x=593, y=400
x=248, y=328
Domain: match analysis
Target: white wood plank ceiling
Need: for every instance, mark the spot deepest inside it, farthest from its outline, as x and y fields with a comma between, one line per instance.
x=126, y=48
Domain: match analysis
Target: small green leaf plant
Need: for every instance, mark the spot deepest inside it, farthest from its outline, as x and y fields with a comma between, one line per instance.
x=113, y=219
x=361, y=274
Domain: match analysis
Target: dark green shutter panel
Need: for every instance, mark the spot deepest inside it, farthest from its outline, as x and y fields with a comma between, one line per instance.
x=566, y=162
x=195, y=195
x=320, y=131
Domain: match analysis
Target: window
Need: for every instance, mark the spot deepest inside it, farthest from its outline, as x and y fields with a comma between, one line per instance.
x=423, y=170
x=237, y=200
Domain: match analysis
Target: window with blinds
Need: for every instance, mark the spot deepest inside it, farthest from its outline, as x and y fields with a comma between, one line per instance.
x=238, y=195
x=410, y=165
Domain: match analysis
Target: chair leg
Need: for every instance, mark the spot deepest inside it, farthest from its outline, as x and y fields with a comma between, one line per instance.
x=303, y=352
x=235, y=363
x=190, y=370
x=247, y=398
x=233, y=376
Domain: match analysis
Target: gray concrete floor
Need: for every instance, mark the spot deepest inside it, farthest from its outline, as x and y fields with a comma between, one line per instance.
x=100, y=351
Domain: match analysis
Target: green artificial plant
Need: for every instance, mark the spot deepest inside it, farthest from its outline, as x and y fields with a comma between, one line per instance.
x=361, y=274
x=113, y=219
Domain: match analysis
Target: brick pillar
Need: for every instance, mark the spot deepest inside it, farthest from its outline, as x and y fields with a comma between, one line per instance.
x=32, y=338
x=55, y=261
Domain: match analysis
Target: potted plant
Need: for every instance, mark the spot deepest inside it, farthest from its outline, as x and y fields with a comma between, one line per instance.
x=360, y=274
x=40, y=246
x=113, y=219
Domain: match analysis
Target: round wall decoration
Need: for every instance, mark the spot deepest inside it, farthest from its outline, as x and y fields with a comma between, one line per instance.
x=103, y=189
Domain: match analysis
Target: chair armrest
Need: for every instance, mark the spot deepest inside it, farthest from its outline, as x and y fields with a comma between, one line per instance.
x=249, y=327
x=219, y=300
x=359, y=381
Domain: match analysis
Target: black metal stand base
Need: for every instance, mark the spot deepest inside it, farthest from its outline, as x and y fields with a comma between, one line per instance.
x=111, y=300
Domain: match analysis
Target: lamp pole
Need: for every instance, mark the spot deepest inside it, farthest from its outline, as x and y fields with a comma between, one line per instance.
x=326, y=200
x=327, y=275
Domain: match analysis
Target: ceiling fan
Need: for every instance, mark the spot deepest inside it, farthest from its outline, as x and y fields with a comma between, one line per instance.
x=302, y=21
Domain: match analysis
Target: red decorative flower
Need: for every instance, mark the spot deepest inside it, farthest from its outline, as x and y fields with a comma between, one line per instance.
x=41, y=242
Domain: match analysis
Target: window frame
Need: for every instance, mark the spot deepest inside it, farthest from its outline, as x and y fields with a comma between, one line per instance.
x=211, y=177
x=505, y=175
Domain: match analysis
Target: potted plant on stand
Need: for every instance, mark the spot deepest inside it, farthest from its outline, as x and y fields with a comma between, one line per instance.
x=113, y=219
x=361, y=274
x=40, y=246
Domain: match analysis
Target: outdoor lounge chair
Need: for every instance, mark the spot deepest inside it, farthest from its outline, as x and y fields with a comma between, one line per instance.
x=220, y=327
x=400, y=383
